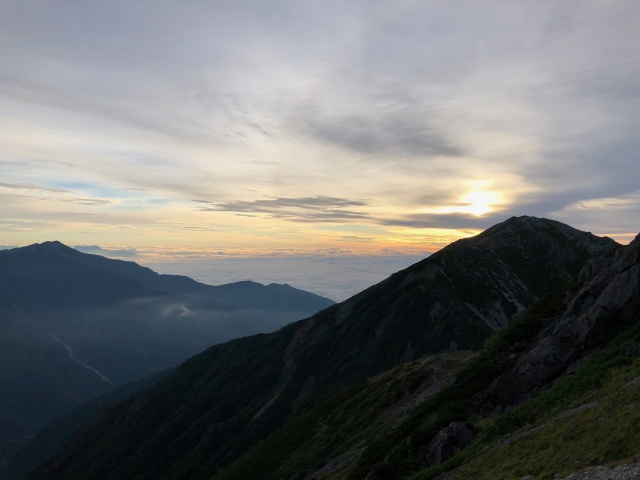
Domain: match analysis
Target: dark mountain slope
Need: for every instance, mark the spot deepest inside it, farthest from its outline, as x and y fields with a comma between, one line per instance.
x=73, y=325
x=562, y=354
x=245, y=294
x=128, y=321
x=570, y=365
x=50, y=275
x=220, y=403
x=61, y=277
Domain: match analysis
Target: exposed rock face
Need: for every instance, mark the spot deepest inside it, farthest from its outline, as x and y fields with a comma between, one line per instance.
x=456, y=436
x=608, y=297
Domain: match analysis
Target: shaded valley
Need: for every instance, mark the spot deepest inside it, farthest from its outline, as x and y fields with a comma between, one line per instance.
x=74, y=325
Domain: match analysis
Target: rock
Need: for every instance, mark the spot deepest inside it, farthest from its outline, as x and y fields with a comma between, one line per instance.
x=456, y=436
x=372, y=476
x=440, y=449
x=461, y=433
x=633, y=350
x=589, y=318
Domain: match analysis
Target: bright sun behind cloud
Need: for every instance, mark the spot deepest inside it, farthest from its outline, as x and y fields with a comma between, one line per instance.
x=479, y=202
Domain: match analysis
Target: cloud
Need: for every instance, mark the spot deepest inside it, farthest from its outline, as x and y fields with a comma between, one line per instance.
x=304, y=209
x=380, y=134
x=300, y=103
x=358, y=239
x=445, y=221
x=334, y=273
x=614, y=216
x=107, y=252
x=47, y=193
x=24, y=186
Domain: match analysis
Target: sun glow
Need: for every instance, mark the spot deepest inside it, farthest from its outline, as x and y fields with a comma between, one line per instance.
x=479, y=202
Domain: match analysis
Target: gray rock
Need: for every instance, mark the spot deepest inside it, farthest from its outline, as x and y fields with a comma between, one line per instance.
x=461, y=433
x=586, y=320
x=455, y=437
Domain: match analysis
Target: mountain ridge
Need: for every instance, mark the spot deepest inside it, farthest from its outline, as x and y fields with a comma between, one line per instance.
x=454, y=299
x=73, y=325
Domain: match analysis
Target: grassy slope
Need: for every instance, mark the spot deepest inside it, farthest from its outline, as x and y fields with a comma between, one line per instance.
x=604, y=433
x=300, y=446
x=354, y=421
x=589, y=418
x=346, y=421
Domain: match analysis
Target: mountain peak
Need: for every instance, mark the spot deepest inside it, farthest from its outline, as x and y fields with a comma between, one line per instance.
x=50, y=246
x=527, y=230
x=528, y=222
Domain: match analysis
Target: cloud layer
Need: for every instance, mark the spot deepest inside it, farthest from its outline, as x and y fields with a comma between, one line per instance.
x=371, y=123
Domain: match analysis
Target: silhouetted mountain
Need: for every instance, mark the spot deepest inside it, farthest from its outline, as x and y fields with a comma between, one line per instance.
x=73, y=325
x=219, y=404
x=553, y=393
x=50, y=275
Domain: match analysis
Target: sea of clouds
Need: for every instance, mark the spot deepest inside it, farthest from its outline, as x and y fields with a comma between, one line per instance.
x=337, y=277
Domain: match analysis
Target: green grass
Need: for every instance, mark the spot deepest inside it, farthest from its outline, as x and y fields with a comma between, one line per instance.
x=553, y=449
x=345, y=421
x=607, y=433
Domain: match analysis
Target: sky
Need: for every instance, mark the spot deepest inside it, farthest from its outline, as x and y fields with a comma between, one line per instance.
x=342, y=127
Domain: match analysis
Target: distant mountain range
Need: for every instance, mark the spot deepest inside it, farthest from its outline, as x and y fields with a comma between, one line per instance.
x=74, y=325
x=434, y=369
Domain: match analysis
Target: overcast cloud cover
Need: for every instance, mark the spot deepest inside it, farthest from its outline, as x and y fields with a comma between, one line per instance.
x=350, y=124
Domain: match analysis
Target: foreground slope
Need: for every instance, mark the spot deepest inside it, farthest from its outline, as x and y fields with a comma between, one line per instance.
x=556, y=392
x=219, y=404
x=566, y=374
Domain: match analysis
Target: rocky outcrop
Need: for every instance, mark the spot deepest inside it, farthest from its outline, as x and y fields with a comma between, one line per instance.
x=456, y=436
x=591, y=316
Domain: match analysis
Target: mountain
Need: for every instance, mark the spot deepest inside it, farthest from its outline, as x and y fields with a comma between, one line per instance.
x=218, y=405
x=51, y=275
x=555, y=392
x=125, y=320
x=74, y=325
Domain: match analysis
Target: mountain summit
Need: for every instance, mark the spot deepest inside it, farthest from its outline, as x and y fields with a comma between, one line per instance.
x=217, y=405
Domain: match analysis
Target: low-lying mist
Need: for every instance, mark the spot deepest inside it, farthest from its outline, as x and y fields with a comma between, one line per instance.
x=134, y=338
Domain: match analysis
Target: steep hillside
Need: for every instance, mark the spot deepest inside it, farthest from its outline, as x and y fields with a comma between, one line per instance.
x=555, y=392
x=219, y=404
x=565, y=368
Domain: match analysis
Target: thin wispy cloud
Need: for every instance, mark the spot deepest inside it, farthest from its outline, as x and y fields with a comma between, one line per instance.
x=25, y=186
x=280, y=117
x=305, y=209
